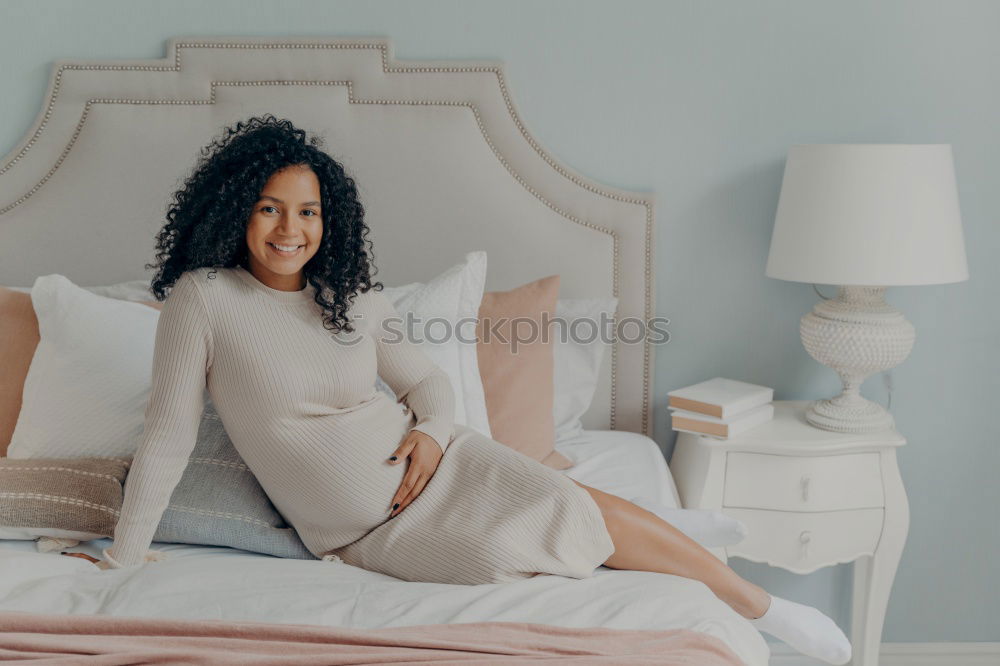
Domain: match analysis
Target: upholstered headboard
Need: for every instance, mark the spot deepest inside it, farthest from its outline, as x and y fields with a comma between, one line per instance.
x=442, y=159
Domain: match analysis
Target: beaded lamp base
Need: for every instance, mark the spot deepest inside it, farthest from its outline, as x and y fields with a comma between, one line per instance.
x=849, y=413
x=856, y=334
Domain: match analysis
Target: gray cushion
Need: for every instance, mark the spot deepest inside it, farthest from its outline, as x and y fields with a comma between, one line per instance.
x=218, y=501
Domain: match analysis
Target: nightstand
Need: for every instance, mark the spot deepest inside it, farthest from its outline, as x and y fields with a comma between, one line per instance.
x=810, y=498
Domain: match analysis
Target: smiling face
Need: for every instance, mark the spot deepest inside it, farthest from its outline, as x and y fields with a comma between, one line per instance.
x=285, y=228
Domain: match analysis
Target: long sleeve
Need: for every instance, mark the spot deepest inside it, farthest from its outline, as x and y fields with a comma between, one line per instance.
x=412, y=375
x=181, y=358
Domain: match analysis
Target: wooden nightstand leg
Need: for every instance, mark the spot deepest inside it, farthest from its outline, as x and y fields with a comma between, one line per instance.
x=873, y=575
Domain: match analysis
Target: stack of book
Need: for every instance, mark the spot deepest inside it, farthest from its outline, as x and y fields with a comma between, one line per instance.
x=720, y=407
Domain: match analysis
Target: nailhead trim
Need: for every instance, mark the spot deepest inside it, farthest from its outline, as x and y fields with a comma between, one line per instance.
x=383, y=49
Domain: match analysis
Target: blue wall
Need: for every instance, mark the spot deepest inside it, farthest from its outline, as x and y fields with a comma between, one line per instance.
x=699, y=102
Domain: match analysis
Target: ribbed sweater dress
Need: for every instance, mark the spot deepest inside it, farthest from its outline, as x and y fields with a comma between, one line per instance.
x=300, y=406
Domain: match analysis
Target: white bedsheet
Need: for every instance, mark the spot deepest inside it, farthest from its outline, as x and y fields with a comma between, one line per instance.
x=221, y=583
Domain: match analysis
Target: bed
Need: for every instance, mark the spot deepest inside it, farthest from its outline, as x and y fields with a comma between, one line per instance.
x=445, y=165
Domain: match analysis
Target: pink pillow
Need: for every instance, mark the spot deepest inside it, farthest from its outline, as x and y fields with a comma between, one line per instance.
x=519, y=386
x=19, y=331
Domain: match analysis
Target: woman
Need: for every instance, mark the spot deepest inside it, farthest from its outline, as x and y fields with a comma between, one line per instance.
x=274, y=311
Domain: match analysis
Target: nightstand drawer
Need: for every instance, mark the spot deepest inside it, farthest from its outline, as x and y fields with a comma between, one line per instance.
x=803, y=483
x=804, y=542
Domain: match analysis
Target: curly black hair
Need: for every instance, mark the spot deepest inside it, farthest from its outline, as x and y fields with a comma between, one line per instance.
x=207, y=219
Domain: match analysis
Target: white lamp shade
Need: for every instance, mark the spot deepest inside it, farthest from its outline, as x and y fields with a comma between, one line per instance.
x=868, y=214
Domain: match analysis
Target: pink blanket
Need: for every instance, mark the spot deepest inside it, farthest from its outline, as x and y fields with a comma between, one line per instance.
x=108, y=640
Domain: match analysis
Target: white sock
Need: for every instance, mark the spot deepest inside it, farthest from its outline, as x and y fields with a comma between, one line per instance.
x=806, y=629
x=708, y=528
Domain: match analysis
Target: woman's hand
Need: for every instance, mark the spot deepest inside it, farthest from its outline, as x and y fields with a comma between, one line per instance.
x=425, y=454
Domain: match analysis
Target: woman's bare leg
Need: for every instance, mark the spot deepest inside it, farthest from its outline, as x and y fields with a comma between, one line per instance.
x=645, y=542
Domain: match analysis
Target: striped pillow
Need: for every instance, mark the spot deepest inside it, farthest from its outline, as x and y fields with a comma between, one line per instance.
x=219, y=502
x=78, y=498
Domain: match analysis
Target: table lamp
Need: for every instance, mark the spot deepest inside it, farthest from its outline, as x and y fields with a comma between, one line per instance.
x=864, y=217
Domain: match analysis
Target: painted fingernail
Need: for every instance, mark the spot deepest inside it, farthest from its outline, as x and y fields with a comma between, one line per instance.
x=395, y=506
x=392, y=457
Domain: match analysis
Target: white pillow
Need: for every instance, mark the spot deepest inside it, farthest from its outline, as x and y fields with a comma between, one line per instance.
x=577, y=363
x=453, y=296
x=88, y=383
x=133, y=290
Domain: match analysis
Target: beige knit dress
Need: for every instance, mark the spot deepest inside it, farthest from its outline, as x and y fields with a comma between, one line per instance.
x=301, y=407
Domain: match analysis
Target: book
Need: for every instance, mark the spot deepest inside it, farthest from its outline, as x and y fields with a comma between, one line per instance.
x=700, y=424
x=720, y=397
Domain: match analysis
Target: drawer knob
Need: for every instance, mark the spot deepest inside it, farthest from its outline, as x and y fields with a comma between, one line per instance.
x=804, y=484
x=804, y=540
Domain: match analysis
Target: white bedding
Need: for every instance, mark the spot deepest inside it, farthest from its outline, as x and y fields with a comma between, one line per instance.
x=222, y=583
